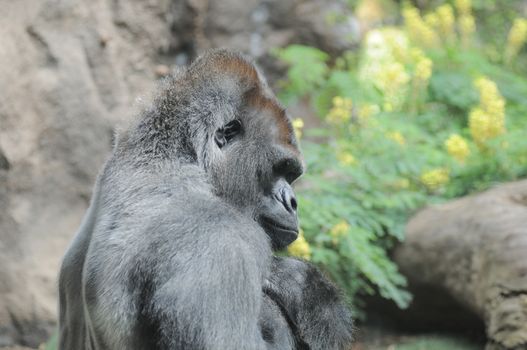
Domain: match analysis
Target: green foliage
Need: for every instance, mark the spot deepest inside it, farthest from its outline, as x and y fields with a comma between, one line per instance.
x=307, y=70
x=399, y=130
x=52, y=343
x=453, y=89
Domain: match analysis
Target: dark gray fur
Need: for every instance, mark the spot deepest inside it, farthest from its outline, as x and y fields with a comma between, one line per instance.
x=169, y=254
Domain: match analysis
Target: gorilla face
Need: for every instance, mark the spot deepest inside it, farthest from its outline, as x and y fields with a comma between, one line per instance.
x=256, y=162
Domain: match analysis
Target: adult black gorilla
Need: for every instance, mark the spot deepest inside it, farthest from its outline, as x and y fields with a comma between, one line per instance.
x=175, y=251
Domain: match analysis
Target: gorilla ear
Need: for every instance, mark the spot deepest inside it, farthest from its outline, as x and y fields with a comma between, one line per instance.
x=227, y=132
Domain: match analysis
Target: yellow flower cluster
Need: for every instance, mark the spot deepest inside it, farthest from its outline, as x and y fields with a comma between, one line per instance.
x=483, y=127
x=441, y=24
x=445, y=16
x=396, y=41
x=300, y=247
x=298, y=125
x=419, y=31
x=383, y=64
x=397, y=137
x=465, y=22
x=464, y=7
x=341, y=110
x=423, y=69
x=395, y=75
x=432, y=20
x=490, y=98
x=488, y=119
x=346, y=158
x=339, y=230
x=385, y=45
x=467, y=27
x=517, y=38
x=393, y=82
x=421, y=76
x=457, y=147
x=435, y=178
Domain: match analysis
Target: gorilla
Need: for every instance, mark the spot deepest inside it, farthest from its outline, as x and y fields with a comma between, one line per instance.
x=176, y=248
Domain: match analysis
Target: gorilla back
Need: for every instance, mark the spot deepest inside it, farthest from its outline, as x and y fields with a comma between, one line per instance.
x=176, y=245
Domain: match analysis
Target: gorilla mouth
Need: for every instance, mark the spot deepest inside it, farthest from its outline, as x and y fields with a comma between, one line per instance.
x=281, y=235
x=275, y=226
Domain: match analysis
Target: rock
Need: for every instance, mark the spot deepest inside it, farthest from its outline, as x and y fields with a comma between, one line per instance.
x=69, y=71
x=475, y=249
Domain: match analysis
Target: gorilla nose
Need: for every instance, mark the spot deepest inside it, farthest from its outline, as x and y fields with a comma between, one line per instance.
x=286, y=196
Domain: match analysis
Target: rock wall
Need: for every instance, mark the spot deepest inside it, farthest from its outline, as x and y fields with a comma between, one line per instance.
x=72, y=70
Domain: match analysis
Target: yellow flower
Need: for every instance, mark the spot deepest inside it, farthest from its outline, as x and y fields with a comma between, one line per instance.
x=397, y=137
x=467, y=27
x=339, y=230
x=300, y=247
x=402, y=184
x=396, y=41
x=465, y=22
x=341, y=102
x=435, y=178
x=423, y=70
x=367, y=111
x=346, y=158
x=484, y=127
x=432, y=20
x=464, y=7
x=488, y=119
x=457, y=147
x=385, y=45
x=395, y=75
x=341, y=110
x=382, y=64
x=445, y=15
x=421, y=76
x=416, y=54
x=490, y=98
x=393, y=83
x=418, y=30
x=298, y=125
x=517, y=38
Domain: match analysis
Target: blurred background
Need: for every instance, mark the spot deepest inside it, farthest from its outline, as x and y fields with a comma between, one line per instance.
x=412, y=117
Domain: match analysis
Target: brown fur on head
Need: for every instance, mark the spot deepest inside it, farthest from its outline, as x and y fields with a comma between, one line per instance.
x=226, y=63
x=219, y=86
x=229, y=65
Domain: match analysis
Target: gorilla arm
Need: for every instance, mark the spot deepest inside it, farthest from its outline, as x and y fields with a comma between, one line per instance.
x=316, y=312
x=211, y=298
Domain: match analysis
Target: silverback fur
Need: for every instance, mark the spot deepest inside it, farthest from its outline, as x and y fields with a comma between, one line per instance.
x=170, y=254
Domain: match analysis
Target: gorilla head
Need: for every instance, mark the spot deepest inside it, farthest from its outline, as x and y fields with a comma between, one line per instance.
x=230, y=123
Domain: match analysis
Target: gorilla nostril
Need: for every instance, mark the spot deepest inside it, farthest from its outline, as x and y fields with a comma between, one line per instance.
x=288, y=200
x=293, y=203
x=284, y=194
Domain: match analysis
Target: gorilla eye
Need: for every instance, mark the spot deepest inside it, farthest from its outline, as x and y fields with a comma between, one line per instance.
x=226, y=133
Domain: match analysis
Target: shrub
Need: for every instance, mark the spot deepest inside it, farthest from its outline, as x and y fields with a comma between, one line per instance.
x=417, y=115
